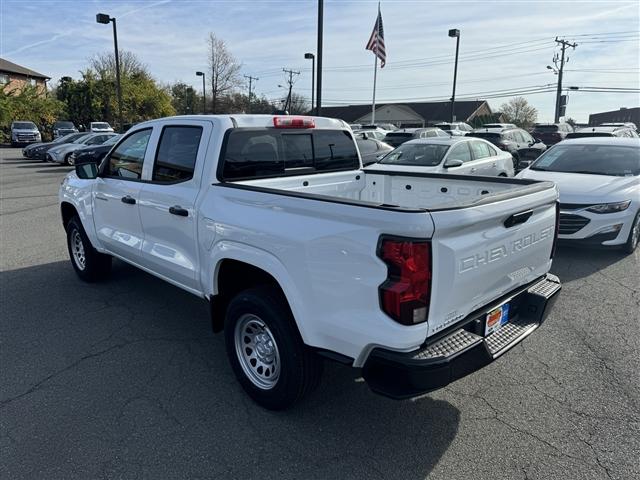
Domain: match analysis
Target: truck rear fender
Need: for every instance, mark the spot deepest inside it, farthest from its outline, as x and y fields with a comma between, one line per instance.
x=254, y=258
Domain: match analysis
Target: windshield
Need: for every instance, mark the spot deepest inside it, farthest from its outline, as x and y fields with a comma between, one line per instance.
x=24, y=126
x=612, y=160
x=419, y=154
x=488, y=135
x=545, y=128
x=81, y=138
x=63, y=125
x=100, y=125
x=445, y=126
x=112, y=140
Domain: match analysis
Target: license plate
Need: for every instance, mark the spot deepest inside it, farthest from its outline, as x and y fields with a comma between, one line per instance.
x=496, y=319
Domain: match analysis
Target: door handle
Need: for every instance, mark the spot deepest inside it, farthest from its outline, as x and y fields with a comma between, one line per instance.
x=129, y=200
x=178, y=210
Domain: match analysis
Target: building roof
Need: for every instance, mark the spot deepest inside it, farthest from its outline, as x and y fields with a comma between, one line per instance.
x=428, y=110
x=7, y=66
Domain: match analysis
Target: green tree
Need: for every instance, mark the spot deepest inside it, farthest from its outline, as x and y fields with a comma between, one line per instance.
x=93, y=97
x=184, y=99
x=518, y=111
x=28, y=104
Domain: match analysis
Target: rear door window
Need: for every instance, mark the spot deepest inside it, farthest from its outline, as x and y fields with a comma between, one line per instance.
x=176, y=155
x=480, y=150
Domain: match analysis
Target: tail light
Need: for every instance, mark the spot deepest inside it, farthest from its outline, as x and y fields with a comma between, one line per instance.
x=555, y=235
x=405, y=295
x=293, y=122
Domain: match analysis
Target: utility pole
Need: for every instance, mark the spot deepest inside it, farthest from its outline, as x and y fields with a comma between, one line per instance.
x=564, y=44
x=291, y=73
x=250, y=80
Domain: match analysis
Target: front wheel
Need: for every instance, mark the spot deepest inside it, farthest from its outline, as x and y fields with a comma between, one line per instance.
x=89, y=264
x=265, y=349
x=634, y=236
x=67, y=160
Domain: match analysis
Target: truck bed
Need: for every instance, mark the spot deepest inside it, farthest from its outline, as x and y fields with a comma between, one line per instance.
x=413, y=191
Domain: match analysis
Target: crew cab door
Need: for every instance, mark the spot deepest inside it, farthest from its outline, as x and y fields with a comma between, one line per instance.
x=116, y=195
x=168, y=201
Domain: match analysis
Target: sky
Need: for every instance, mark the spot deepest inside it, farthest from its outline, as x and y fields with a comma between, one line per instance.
x=505, y=46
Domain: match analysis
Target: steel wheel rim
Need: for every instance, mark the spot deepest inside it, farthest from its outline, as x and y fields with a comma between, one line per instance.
x=257, y=351
x=77, y=249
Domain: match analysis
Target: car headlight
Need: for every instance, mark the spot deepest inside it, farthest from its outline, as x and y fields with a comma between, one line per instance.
x=609, y=207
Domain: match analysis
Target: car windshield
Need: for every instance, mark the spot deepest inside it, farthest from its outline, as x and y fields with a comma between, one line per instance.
x=419, y=154
x=488, y=135
x=112, y=140
x=82, y=138
x=99, y=125
x=63, y=125
x=615, y=160
x=400, y=134
x=545, y=128
x=24, y=125
x=445, y=126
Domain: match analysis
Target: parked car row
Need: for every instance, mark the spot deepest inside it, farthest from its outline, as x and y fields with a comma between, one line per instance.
x=62, y=149
x=27, y=132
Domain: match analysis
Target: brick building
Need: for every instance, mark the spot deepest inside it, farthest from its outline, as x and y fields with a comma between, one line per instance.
x=15, y=77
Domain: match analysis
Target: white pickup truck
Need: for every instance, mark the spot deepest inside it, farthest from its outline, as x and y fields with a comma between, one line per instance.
x=416, y=279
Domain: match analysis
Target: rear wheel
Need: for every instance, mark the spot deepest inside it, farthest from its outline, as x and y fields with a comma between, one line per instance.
x=89, y=264
x=634, y=236
x=67, y=159
x=265, y=349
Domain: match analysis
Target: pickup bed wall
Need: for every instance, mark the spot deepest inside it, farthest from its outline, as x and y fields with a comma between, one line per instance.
x=408, y=191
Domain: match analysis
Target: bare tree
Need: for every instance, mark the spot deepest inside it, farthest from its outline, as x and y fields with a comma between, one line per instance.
x=104, y=64
x=518, y=111
x=224, y=68
x=299, y=104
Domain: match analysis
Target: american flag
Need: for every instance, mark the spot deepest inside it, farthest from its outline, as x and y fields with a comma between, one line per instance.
x=376, y=41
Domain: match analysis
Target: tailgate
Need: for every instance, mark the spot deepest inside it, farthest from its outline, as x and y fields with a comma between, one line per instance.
x=482, y=252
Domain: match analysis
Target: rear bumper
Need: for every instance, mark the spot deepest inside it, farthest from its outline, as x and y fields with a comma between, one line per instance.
x=463, y=350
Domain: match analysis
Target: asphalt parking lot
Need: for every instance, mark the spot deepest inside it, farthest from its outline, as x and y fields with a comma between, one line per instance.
x=125, y=380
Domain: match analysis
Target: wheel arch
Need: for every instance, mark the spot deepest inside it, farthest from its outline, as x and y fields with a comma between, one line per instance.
x=238, y=267
x=68, y=211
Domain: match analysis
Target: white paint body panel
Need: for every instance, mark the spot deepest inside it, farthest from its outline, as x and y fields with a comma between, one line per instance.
x=321, y=248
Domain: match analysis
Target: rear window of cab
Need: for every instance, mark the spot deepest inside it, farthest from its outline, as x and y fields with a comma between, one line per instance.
x=266, y=152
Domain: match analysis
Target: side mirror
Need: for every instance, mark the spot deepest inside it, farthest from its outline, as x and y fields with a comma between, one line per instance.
x=87, y=171
x=453, y=163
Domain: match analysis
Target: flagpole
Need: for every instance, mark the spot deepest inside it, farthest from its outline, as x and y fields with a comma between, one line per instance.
x=373, y=103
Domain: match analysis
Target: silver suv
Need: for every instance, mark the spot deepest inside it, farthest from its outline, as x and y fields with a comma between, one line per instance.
x=23, y=133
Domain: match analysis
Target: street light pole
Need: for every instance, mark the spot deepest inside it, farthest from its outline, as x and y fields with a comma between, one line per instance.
x=319, y=53
x=105, y=19
x=313, y=78
x=454, y=33
x=204, y=93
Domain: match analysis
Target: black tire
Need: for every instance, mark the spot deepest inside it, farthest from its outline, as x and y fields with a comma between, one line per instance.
x=97, y=266
x=66, y=159
x=633, y=240
x=300, y=368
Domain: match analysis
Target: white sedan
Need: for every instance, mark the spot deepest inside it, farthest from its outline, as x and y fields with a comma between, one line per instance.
x=599, y=183
x=453, y=155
